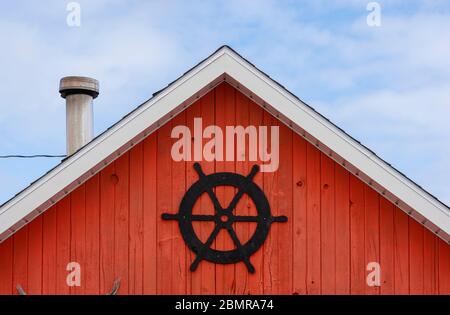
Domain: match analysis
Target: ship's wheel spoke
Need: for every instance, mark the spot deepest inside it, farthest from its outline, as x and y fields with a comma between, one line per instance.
x=281, y=218
x=241, y=250
x=203, y=217
x=209, y=189
x=170, y=216
x=242, y=190
x=245, y=218
x=207, y=245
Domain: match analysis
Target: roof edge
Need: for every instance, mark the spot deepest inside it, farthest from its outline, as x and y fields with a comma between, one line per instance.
x=146, y=118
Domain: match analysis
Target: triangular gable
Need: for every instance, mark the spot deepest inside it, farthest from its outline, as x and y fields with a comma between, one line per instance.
x=225, y=65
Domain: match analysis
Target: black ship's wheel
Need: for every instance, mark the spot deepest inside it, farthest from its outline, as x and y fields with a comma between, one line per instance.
x=224, y=217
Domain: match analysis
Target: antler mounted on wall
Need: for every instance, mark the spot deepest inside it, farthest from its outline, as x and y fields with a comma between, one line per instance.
x=20, y=290
x=115, y=288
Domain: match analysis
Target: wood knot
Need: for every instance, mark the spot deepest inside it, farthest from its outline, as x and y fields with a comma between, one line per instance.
x=325, y=186
x=299, y=183
x=114, y=179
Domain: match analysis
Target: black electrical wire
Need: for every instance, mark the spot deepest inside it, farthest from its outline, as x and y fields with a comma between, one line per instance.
x=11, y=156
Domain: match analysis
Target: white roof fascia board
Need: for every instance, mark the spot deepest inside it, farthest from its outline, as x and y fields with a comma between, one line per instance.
x=94, y=152
x=324, y=131
x=223, y=61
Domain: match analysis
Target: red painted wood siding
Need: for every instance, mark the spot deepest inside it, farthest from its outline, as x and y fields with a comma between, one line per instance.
x=112, y=226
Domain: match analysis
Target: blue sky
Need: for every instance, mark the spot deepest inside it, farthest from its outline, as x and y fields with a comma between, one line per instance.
x=387, y=86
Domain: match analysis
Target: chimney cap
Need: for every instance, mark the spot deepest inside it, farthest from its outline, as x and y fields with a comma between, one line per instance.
x=78, y=85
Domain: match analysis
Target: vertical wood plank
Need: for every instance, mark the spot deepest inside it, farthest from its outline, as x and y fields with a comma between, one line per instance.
x=165, y=228
x=225, y=115
x=387, y=246
x=6, y=266
x=242, y=229
x=401, y=250
x=342, y=204
x=49, y=251
x=313, y=220
x=429, y=263
x=179, y=269
x=193, y=278
x=285, y=195
x=299, y=236
x=416, y=257
x=358, y=266
x=271, y=249
x=372, y=233
x=256, y=280
x=205, y=268
x=20, y=266
x=136, y=221
x=92, y=256
x=78, y=234
x=121, y=203
x=62, y=245
x=444, y=267
x=150, y=215
x=328, y=232
x=35, y=256
x=108, y=180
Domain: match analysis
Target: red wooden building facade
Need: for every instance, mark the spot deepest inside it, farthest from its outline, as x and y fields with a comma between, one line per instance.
x=337, y=223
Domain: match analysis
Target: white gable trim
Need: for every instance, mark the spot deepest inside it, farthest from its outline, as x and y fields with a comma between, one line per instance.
x=227, y=65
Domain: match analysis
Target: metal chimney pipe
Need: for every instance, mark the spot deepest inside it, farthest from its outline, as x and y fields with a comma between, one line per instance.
x=79, y=93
